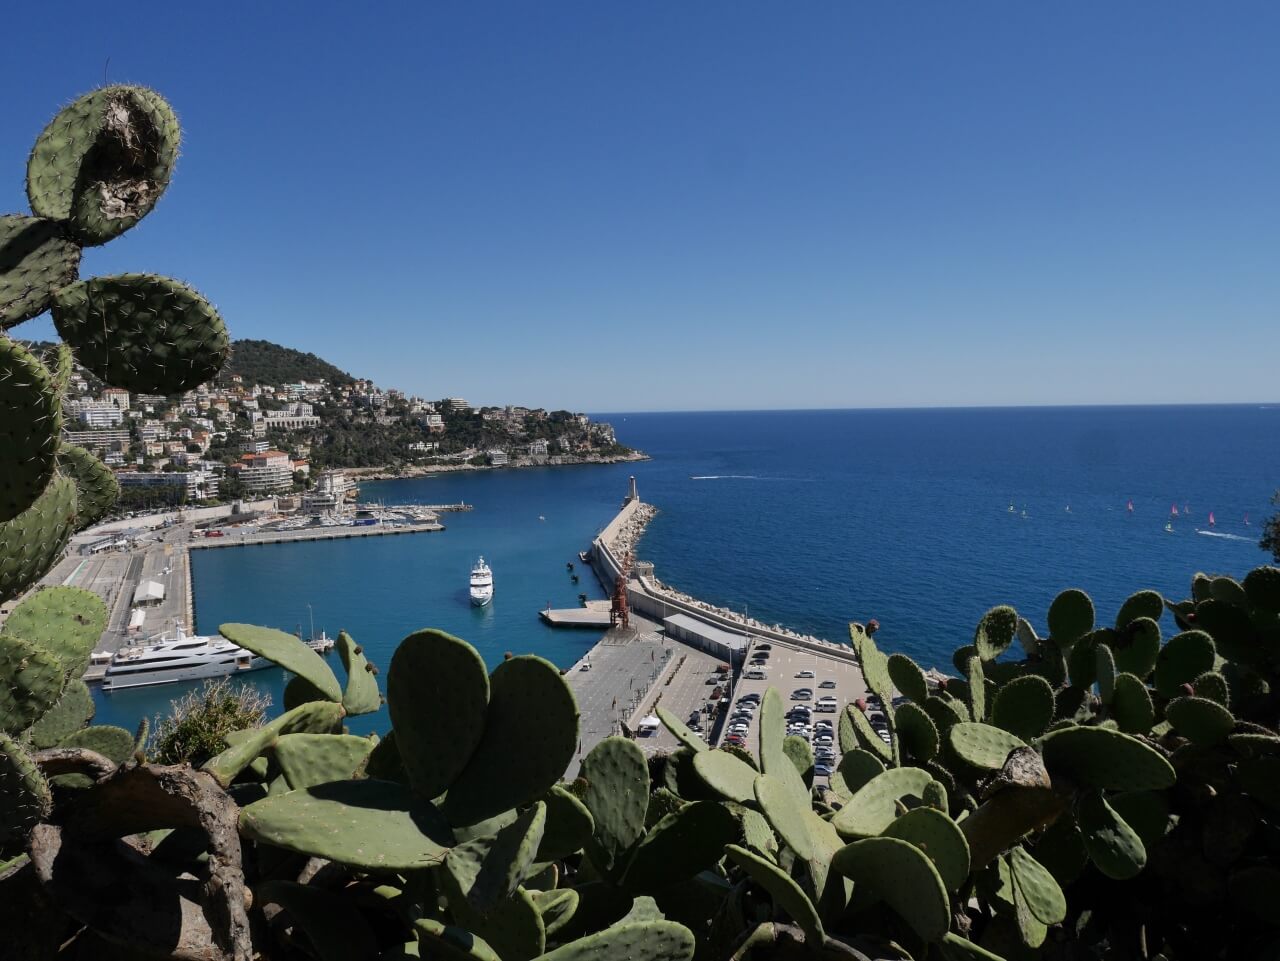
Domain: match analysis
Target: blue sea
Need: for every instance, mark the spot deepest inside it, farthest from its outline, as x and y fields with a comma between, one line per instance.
x=809, y=519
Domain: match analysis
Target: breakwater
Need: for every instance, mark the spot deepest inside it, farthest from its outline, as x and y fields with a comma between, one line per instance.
x=651, y=598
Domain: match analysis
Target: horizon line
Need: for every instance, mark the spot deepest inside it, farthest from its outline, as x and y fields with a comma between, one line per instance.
x=1262, y=405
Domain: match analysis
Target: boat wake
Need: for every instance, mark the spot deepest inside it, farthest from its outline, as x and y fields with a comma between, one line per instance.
x=723, y=477
x=1230, y=537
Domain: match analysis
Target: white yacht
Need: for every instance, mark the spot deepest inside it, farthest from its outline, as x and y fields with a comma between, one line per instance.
x=481, y=584
x=178, y=657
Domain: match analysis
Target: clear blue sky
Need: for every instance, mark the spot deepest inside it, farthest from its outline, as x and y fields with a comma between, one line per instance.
x=709, y=205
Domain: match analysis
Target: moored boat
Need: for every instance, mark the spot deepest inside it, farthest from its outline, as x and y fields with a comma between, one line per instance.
x=175, y=657
x=481, y=584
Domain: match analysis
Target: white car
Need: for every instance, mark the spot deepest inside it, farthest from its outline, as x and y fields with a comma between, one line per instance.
x=805, y=674
x=827, y=699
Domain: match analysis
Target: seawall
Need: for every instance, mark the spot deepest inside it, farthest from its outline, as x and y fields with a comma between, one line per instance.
x=650, y=600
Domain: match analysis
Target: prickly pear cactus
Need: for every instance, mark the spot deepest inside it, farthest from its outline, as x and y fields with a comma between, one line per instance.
x=96, y=170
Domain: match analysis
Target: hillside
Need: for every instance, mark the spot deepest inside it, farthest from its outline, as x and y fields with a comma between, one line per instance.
x=262, y=362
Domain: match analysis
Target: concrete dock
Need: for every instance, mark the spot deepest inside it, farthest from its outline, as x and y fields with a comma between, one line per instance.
x=246, y=538
x=594, y=615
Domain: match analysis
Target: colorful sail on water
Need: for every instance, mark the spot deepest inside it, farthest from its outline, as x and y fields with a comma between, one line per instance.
x=1173, y=511
x=1211, y=520
x=1130, y=507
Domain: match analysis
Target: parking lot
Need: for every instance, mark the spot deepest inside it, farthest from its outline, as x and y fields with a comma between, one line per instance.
x=838, y=681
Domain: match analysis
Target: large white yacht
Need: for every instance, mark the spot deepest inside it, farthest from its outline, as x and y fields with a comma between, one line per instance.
x=481, y=584
x=178, y=657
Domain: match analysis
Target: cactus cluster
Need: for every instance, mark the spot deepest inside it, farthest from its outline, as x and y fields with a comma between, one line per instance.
x=96, y=169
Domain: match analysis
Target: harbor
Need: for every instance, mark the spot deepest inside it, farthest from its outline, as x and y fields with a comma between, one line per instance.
x=665, y=648
x=141, y=568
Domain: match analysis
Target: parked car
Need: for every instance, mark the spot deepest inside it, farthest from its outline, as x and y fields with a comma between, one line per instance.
x=827, y=683
x=805, y=673
x=764, y=647
x=822, y=769
x=802, y=694
x=755, y=674
x=827, y=699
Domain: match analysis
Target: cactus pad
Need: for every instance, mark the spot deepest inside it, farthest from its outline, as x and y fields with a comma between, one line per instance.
x=1042, y=893
x=786, y=894
x=1182, y=660
x=103, y=162
x=1131, y=705
x=995, y=632
x=727, y=775
x=1070, y=617
x=683, y=843
x=1262, y=587
x=907, y=677
x=874, y=806
x=800, y=754
x=977, y=681
x=875, y=670
x=569, y=825
x=314, y=717
x=633, y=940
x=114, y=743
x=73, y=711
x=916, y=732
x=680, y=730
x=361, y=693
x=1099, y=758
x=24, y=794
x=1112, y=845
x=513, y=927
x=31, y=682
x=65, y=621
x=310, y=759
x=450, y=943
x=616, y=794
x=508, y=859
x=982, y=745
x=1104, y=669
x=940, y=838
x=288, y=651
x=867, y=738
x=1028, y=638
x=437, y=694
x=97, y=489
x=1141, y=604
x=1136, y=646
x=1199, y=719
x=556, y=907
x=368, y=824
x=1024, y=706
x=855, y=769
x=147, y=333
x=525, y=693
x=36, y=258
x=904, y=877
x=32, y=426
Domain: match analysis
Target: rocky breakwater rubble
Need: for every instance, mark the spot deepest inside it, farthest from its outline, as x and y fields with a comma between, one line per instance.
x=629, y=536
x=630, y=533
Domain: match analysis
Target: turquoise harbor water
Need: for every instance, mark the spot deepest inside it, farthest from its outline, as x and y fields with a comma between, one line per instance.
x=809, y=519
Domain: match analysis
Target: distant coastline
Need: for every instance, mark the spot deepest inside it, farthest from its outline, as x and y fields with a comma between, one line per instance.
x=425, y=470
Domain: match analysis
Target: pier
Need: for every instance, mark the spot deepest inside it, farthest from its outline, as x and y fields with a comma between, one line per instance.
x=232, y=538
x=595, y=614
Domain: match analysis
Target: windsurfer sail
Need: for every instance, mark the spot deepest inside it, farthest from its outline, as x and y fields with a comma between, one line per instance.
x=1173, y=511
x=1130, y=507
x=1211, y=520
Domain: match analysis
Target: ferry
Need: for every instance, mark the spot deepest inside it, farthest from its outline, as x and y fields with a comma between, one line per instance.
x=175, y=657
x=481, y=584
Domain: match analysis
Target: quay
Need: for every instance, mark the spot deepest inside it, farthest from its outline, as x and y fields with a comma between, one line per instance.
x=141, y=568
x=259, y=537
x=593, y=614
x=685, y=655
